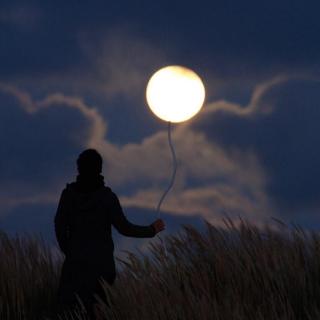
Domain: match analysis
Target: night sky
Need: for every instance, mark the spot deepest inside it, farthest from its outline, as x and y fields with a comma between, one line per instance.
x=73, y=75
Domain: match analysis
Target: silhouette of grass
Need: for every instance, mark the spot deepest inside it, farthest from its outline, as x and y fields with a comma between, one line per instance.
x=28, y=277
x=237, y=272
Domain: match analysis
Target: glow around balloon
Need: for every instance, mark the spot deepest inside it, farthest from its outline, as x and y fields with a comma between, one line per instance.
x=175, y=93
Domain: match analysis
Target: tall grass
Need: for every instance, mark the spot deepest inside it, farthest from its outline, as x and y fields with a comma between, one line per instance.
x=28, y=277
x=236, y=272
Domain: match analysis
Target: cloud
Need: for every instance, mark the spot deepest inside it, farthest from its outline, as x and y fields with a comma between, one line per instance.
x=97, y=126
x=121, y=61
x=209, y=179
x=285, y=142
x=257, y=103
x=212, y=177
x=28, y=196
x=112, y=63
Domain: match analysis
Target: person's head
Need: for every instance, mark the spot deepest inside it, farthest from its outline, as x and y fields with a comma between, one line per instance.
x=89, y=162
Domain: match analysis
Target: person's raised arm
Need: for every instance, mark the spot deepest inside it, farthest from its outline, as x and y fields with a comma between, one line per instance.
x=126, y=228
x=61, y=223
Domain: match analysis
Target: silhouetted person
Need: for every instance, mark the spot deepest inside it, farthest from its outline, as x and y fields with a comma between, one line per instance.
x=86, y=211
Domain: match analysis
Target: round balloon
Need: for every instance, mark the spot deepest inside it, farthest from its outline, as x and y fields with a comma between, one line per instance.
x=175, y=93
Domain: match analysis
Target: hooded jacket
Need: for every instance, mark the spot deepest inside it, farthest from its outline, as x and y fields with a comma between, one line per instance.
x=83, y=221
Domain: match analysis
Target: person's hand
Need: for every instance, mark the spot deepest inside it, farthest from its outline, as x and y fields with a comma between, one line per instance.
x=158, y=225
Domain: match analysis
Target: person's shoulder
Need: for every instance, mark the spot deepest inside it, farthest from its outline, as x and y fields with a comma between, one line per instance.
x=108, y=192
x=110, y=195
x=105, y=190
x=69, y=187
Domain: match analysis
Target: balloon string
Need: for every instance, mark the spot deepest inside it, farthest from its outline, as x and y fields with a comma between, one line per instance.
x=175, y=165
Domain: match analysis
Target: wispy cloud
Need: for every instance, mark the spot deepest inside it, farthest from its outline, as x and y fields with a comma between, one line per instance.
x=234, y=182
x=122, y=61
x=118, y=63
x=20, y=193
x=255, y=105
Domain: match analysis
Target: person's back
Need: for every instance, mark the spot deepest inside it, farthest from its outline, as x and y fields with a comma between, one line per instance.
x=90, y=222
x=86, y=211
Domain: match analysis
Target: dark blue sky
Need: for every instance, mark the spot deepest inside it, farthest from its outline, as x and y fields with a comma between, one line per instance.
x=73, y=75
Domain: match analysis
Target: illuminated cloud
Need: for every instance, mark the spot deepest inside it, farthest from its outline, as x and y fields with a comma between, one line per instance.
x=256, y=103
x=120, y=63
x=233, y=182
x=210, y=180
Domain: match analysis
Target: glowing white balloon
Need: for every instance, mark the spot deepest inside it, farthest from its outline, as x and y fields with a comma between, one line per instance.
x=175, y=93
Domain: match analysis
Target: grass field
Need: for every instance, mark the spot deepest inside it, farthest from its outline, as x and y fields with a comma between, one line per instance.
x=236, y=272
